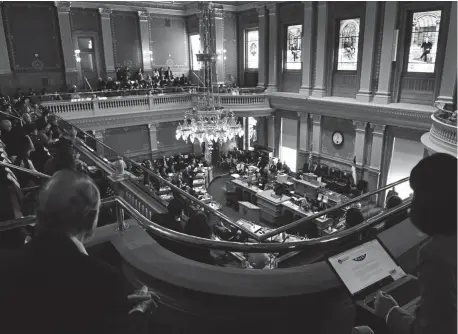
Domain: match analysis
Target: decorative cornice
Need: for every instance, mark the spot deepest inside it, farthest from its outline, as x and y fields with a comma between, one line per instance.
x=105, y=13
x=143, y=15
x=62, y=6
x=406, y=116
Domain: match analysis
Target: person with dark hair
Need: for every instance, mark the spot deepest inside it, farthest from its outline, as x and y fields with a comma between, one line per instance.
x=52, y=285
x=392, y=202
x=171, y=219
x=353, y=217
x=65, y=158
x=22, y=159
x=434, y=212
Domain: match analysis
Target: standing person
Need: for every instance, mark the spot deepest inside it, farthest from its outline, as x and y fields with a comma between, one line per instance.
x=436, y=216
x=198, y=226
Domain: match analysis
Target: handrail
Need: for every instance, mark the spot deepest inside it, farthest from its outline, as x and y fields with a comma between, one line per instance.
x=301, y=221
x=227, y=245
x=172, y=186
x=25, y=170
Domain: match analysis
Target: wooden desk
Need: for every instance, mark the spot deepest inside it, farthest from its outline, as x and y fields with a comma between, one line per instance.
x=248, y=192
x=249, y=211
x=306, y=187
x=271, y=207
x=300, y=213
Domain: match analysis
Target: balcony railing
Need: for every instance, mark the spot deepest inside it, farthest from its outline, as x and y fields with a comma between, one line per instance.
x=91, y=106
x=444, y=129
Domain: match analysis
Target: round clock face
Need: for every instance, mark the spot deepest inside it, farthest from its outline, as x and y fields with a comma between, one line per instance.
x=337, y=138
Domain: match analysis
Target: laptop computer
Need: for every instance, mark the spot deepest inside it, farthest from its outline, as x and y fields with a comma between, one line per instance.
x=369, y=267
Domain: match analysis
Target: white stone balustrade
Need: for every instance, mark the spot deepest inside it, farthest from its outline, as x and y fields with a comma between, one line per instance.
x=441, y=137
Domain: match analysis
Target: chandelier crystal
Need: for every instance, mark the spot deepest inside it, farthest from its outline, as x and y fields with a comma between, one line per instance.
x=208, y=121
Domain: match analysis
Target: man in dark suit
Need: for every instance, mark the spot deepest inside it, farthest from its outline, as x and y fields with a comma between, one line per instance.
x=52, y=285
x=426, y=47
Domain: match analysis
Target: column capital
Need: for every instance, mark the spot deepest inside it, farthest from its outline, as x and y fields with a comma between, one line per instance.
x=261, y=11
x=360, y=125
x=377, y=128
x=105, y=13
x=62, y=6
x=272, y=8
x=315, y=118
x=143, y=15
x=153, y=127
x=308, y=4
x=99, y=134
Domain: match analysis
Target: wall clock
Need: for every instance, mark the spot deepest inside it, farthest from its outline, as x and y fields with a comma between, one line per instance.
x=337, y=138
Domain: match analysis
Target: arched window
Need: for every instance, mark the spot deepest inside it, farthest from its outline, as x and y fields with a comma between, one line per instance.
x=423, y=42
x=348, y=45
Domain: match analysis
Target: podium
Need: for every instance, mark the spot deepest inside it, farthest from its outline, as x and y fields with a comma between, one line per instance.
x=249, y=211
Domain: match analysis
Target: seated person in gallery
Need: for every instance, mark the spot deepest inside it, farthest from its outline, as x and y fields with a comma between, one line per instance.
x=155, y=74
x=273, y=169
x=101, y=85
x=183, y=80
x=285, y=168
x=168, y=74
x=426, y=46
x=111, y=85
x=279, y=165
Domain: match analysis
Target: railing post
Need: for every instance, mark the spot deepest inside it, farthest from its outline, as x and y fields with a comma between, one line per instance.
x=121, y=225
x=95, y=106
x=150, y=101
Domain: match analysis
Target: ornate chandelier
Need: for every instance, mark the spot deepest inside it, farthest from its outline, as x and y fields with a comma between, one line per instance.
x=208, y=121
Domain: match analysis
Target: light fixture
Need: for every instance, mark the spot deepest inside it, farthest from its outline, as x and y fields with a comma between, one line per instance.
x=77, y=56
x=208, y=121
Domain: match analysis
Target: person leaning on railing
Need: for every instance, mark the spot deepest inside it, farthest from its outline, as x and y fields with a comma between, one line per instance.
x=52, y=285
x=434, y=212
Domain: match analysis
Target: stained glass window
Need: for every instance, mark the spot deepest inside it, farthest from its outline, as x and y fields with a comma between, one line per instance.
x=252, y=49
x=348, y=45
x=194, y=41
x=423, y=42
x=294, y=48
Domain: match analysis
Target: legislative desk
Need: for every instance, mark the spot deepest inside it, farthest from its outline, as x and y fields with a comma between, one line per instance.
x=194, y=294
x=249, y=192
x=271, y=206
x=309, y=188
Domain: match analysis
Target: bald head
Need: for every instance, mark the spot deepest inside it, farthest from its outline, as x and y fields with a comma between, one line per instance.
x=68, y=204
x=5, y=125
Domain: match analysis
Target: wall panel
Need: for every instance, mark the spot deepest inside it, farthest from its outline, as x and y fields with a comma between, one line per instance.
x=167, y=142
x=128, y=141
x=347, y=149
x=230, y=44
x=33, y=42
x=169, y=42
x=127, y=49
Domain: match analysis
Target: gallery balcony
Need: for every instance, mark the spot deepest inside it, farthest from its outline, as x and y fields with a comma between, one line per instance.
x=90, y=110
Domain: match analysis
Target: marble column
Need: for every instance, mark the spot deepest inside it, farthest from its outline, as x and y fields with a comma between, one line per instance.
x=316, y=134
x=360, y=141
x=5, y=66
x=143, y=18
x=105, y=19
x=365, y=84
x=63, y=15
x=152, y=137
x=263, y=43
x=100, y=149
x=383, y=94
x=319, y=89
x=271, y=133
x=448, y=81
x=303, y=133
x=378, y=132
x=307, y=48
x=272, y=85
